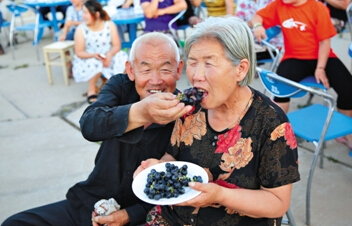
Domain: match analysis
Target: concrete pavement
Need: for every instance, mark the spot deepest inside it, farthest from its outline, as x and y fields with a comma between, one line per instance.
x=42, y=152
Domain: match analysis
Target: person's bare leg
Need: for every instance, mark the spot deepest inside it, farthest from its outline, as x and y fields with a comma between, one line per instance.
x=347, y=139
x=92, y=83
x=285, y=106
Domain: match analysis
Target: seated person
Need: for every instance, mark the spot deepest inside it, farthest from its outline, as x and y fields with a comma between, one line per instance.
x=217, y=7
x=251, y=165
x=133, y=123
x=97, y=48
x=44, y=11
x=307, y=49
x=338, y=13
x=245, y=10
x=189, y=18
x=158, y=14
x=74, y=18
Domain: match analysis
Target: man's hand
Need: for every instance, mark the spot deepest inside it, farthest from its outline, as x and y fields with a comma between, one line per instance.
x=160, y=108
x=117, y=218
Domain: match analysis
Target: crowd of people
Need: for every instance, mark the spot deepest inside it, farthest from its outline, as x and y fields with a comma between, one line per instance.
x=238, y=135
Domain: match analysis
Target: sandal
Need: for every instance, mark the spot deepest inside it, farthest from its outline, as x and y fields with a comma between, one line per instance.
x=92, y=98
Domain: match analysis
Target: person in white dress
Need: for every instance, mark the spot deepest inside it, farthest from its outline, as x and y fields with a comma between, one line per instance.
x=97, y=48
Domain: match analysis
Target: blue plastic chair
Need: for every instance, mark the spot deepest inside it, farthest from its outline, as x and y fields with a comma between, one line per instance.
x=271, y=33
x=37, y=27
x=316, y=123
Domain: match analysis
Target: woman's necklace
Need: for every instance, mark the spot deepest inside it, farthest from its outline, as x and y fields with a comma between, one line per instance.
x=243, y=113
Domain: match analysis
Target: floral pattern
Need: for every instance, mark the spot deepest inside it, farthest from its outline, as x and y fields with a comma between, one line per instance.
x=194, y=127
x=259, y=151
x=285, y=130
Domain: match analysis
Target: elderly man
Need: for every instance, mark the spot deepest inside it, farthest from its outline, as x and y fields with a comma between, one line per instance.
x=133, y=116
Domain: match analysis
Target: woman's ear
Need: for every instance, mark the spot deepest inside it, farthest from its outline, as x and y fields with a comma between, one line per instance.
x=242, y=69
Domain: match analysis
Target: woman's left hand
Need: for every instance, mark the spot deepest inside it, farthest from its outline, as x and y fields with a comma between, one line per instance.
x=106, y=61
x=209, y=196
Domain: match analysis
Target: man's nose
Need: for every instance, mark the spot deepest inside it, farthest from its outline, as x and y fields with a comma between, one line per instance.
x=155, y=78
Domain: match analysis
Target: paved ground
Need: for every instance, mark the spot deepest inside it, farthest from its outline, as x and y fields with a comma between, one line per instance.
x=42, y=152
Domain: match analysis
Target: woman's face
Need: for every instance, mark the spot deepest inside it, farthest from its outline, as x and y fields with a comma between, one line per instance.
x=208, y=69
x=87, y=17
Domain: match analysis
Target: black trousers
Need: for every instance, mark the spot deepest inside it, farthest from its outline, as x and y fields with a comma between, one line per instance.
x=339, y=77
x=55, y=214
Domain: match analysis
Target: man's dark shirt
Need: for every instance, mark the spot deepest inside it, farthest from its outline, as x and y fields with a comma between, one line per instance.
x=119, y=154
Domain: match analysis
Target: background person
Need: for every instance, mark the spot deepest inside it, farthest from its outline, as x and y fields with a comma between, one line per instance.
x=338, y=13
x=307, y=30
x=237, y=134
x=97, y=49
x=134, y=122
x=158, y=14
x=74, y=17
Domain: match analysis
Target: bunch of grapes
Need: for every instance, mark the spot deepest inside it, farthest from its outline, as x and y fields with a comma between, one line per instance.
x=168, y=184
x=190, y=96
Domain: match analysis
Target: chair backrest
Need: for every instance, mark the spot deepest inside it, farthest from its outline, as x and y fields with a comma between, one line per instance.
x=273, y=50
x=272, y=32
x=17, y=10
x=173, y=31
x=282, y=87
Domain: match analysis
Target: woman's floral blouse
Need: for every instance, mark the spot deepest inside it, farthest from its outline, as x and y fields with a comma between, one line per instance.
x=259, y=151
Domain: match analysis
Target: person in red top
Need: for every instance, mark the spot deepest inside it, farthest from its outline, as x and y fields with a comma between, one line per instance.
x=307, y=29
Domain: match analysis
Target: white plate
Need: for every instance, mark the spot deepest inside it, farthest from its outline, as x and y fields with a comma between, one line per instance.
x=140, y=181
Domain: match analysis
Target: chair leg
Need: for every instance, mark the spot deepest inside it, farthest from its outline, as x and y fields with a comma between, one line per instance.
x=11, y=44
x=64, y=66
x=310, y=179
x=290, y=219
x=48, y=67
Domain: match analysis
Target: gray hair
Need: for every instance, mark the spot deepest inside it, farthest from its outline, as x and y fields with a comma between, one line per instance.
x=233, y=34
x=154, y=38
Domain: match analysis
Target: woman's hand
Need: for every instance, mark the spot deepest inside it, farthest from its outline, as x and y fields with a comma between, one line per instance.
x=320, y=76
x=145, y=164
x=117, y=218
x=208, y=196
x=107, y=60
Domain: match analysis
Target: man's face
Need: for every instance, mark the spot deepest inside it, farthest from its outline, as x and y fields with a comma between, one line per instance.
x=154, y=69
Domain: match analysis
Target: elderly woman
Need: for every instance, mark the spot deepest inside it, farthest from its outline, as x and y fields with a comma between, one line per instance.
x=238, y=135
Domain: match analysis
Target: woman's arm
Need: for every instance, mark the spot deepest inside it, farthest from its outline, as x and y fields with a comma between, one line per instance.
x=80, y=45
x=177, y=7
x=265, y=202
x=339, y=4
x=115, y=44
x=150, y=9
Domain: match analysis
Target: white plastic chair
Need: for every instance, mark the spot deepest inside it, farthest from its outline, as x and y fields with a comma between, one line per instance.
x=316, y=123
x=349, y=18
x=37, y=27
x=174, y=31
